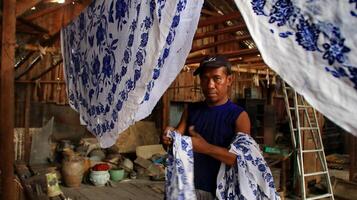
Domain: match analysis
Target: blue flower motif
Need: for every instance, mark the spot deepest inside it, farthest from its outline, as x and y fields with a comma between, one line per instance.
x=107, y=67
x=175, y=21
x=166, y=53
x=123, y=71
x=139, y=58
x=100, y=35
x=119, y=105
x=110, y=98
x=96, y=66
x=353, y=1
x=281, y=12
x=137, y=74
x=180, y=6
x=156, y=74
x=147, y=22
x=285, y=34
x=335, y=51
x=307, y=35
x=261, y=167
x=121, y=7
x=129, y=84
x=126, y=56
x=258, y=6
x=130, y=40
x=124, y=95
x=84, y=76
x=144, y=39
x=169, y=38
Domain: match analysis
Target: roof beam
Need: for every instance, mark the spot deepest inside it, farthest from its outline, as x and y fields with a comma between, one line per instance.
x=229, y=29
x=221, y=42
x=229, y=54
x=219, y=19
x=23, y=5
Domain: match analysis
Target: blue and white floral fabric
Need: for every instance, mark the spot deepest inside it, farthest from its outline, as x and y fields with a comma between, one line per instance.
x=250, y=178
x=179, y=171
x=121, y=55
x=312, y=45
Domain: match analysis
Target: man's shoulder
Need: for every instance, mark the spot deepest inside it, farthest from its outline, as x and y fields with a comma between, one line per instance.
x=235, y=107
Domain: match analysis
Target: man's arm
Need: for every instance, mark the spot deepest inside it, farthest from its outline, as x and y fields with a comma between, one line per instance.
x=180, y=128
x=200, y=145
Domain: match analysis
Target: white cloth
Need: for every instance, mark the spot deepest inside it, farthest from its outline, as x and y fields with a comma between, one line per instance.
x=115, y=51
x=250, y=178
x=312, y=45
x=179, y=171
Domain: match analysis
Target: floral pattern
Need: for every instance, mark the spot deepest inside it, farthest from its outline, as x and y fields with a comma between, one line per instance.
x=311, y=45
x=107, y=63
x=250, y=178
x=307, y=33
x=179, y=171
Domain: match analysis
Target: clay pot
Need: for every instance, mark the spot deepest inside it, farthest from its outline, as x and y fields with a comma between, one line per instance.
x=99, y=178
x=72, y=170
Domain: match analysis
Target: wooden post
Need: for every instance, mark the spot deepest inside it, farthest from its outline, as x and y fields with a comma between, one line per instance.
x=165, y=110
x=353, y=156
x=7, y=100
x=27, y=138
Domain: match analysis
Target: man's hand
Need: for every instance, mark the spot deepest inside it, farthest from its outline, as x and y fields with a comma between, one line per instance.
x=199, y=144
x=166, y=140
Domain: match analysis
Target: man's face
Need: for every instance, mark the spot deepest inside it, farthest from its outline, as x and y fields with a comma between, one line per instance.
x=215, y=83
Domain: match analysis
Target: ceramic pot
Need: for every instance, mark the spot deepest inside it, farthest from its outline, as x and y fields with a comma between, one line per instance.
x=99, y=178
x=72, y=171
x=116, y=174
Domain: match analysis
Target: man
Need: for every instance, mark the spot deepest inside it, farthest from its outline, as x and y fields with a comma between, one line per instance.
x=212, y=124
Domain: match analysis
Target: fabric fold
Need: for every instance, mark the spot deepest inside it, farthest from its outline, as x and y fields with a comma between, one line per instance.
x=113, y=53
x=179, y=171
x=250, y=178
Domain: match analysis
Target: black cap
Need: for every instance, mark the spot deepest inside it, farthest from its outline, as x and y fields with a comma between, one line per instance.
x=214, y=62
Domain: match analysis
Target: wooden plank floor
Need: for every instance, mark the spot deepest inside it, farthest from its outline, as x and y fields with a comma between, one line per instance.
x=127, y=189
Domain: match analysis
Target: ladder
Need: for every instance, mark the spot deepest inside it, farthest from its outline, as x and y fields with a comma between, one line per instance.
x=303, y=121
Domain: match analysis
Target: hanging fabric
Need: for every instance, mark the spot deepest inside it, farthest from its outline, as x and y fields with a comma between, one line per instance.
x=250, y=178
x=312, y=45
x=120, y=56
x=179, y=171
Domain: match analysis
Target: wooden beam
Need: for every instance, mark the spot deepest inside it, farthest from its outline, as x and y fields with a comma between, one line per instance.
x=225, y=30
x=46, y=70
x=23, y=5
x=229, y=54
x=7, y=153
x=221, y=42
x=217, y=20
x=211, y=13
x=32, y=25
x=29, y=67
x=46, y=11
x=33, y=47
